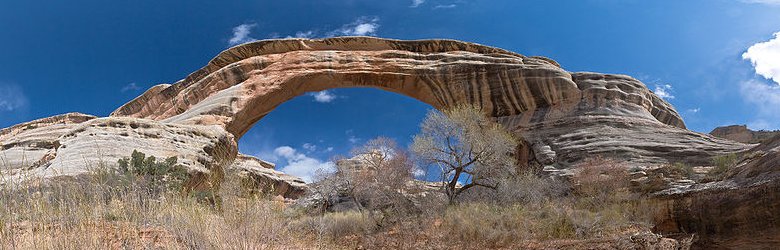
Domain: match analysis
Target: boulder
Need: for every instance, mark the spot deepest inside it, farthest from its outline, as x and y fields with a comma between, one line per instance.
x=73, y=144
x=259, y=177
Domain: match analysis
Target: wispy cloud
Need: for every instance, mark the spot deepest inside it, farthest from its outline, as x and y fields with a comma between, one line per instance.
x=324, y=96
x=301, y=165
x=664, y=91
x=765, y=57
x=241, y=34
x=310, y=147
x=694, y=110
x=417, y=3
x=769, y=2
x=130, y=87
x=303, y=34
x=766, y=99
x=363, y=26
x=12, y=98
x=351, y=136
x=445, y=6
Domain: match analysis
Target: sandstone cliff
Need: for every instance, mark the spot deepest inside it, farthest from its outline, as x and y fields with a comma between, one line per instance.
x=74, y=144
x=571, y=115
x=741, y=133
x=259, y=177
x=740, y=212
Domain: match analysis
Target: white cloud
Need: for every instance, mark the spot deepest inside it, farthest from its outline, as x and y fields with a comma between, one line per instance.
x=664, y=91
x=445, y=6
x=351, y=136
x=303, y=34
x=363, y=26
x=770, y=2
x=329, y=149
x=130, y=87
x=765, y=57
x=241, y=34
x=12, y=98
x=418, y=172
x=695, y=110
x=766, y=99
x=324, y=96
x=309, y=147
x=416, y=3
x=301, y=165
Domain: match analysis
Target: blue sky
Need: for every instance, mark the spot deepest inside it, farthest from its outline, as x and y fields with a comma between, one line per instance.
x=717, y=61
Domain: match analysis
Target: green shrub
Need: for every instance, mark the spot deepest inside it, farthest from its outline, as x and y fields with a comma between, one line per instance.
x=683, y=169
x=721, y=165
x=158, y=175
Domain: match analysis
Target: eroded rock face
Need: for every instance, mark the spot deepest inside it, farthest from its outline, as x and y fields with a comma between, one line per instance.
x=741, y=133
x=75, y=144
x=31, y=144
x=740, y=212
x=573, y=114
x=259, y=177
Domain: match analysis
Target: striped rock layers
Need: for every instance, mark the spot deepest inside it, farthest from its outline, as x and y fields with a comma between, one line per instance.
x=570, y=115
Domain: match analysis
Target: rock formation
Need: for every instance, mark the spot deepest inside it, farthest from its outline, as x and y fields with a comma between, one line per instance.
x=564, y=118
x=259, y=177
x=569, y=115
x=742, y=211
x=75, y=144
x=741, y=133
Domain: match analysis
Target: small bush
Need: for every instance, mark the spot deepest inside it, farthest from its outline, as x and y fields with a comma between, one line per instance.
x=337, y=225
x=601, y=181
x=157, y=174
x=722, y=164
x=496, y=226
x=682, y=170
x=525, y=188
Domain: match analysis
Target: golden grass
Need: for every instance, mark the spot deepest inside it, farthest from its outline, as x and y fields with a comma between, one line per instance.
x=99, y=213
x=104, y=211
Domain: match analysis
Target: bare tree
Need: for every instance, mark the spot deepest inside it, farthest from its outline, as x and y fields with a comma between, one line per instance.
x=469, y=148
x=374, y=178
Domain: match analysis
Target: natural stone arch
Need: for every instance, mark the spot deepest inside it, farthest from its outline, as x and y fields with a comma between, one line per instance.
x=244, y=83
x=563, y=117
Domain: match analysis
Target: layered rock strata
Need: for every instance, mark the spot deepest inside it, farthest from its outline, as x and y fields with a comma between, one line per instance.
x=742, y=211
x=570, y=115
x=259, y=177
x=741, y=133
x=76, y=144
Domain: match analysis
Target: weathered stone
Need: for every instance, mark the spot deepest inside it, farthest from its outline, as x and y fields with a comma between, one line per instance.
x=32, y=144
x=575, y=114
x=73, y=148
x=259, y=177
x=741, y=133
x=739, y=212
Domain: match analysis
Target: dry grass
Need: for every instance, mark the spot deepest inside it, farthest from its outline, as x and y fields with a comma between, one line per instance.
x=105, y=211
x=99, y=212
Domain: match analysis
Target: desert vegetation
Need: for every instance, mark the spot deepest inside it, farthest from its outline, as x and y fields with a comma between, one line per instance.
x=482, y=199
